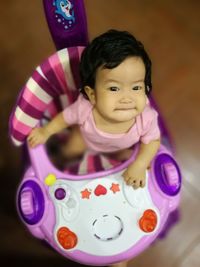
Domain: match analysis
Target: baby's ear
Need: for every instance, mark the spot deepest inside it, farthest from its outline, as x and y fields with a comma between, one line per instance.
x=91, y=94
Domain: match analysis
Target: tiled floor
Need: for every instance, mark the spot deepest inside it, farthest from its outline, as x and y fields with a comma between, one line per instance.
x=170, y=31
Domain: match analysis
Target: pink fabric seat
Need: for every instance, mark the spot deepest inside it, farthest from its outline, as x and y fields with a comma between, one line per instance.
x=53, y=85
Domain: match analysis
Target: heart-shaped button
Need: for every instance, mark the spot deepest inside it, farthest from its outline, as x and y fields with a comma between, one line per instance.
x=100, y=190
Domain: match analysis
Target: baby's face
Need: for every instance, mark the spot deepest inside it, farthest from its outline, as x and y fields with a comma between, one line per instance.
x=119, y=93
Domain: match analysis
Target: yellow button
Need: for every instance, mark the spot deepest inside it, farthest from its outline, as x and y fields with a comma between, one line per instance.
x=50, y=179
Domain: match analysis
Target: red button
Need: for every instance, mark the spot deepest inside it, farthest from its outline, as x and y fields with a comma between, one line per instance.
x=148, y=221
x=66, y=238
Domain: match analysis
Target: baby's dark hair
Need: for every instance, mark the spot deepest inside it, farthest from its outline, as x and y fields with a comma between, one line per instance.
x=109, y=50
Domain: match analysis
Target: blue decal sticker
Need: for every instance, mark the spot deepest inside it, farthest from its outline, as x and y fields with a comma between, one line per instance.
x=64, y=13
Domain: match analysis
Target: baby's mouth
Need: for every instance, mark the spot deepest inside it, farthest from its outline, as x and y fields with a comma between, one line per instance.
x=131, y=108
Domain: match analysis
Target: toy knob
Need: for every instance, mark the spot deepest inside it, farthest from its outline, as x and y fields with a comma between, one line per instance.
x=171, y=174
x=148, y=221
x=26, y=202
x=67, y=238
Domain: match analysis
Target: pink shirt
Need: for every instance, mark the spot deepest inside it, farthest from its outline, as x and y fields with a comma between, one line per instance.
x=145, y=129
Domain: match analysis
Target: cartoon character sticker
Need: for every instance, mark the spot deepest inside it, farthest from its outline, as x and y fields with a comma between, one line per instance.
x=64, y=13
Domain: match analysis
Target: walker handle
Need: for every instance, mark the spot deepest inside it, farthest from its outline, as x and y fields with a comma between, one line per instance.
x=67, y=22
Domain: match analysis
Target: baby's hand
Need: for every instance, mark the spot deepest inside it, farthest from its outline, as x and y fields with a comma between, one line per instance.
x=37, y=136
x=135, y=175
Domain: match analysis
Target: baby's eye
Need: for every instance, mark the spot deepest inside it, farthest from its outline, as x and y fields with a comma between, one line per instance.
x=136, y=88
x=113, y=88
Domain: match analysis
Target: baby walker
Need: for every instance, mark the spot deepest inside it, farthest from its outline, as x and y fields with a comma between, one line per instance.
x=87, y=214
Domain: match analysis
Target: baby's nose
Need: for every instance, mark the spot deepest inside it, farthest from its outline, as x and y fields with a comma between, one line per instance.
x=126, y=99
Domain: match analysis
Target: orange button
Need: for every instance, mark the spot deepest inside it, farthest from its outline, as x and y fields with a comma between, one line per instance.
x=66, y=238
x=148, y=221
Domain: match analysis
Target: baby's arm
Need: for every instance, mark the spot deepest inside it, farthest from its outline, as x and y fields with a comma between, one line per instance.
x=41, y=134
x=135, y=174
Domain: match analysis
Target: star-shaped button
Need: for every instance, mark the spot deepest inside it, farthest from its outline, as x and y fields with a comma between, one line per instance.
x=115, y=188
x=85, y=193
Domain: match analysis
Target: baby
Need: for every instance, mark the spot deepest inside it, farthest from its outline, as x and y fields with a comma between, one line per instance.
x=112, y=112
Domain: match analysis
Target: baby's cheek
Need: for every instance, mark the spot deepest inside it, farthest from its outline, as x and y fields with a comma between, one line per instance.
x=142, y=104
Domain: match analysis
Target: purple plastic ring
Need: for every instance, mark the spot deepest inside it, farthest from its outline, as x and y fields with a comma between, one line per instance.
x=37, y=200
x=161, y=178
